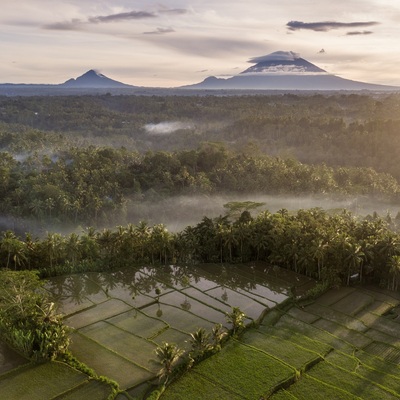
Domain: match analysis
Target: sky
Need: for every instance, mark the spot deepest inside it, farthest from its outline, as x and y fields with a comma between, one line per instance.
x=176, y=42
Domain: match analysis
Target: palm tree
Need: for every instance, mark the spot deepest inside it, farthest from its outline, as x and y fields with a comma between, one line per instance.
x=7, y=245
x=106, y=241
x=168, y=356
x=49, y=204
x=394, y=271
x=236, y=318
x=200, y=342
x=19, y=257
x=229, y=239
x=88, y=244
x=354, y=258
x=218, y=334
x=36, y=207
x=143, y=234
x=52, y=246
x=189, y=242
x=15, y=249
x=72, y=248
x=318, y=251
x=242, y=230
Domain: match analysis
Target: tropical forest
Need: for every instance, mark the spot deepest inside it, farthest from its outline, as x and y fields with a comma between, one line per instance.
x=200, y=246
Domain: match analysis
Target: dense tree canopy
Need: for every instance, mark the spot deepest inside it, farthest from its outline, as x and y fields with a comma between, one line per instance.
x=334, y=248
x=92, y=185
x=358, y=130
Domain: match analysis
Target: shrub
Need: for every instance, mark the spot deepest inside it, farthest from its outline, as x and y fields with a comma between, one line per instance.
x=28, y=319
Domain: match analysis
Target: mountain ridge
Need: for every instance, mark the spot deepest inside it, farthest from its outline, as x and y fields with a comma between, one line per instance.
x=278, y=71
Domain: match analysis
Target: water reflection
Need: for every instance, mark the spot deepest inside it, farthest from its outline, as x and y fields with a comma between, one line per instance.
x=131, y=284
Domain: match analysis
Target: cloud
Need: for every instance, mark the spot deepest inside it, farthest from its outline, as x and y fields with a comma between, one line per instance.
x=353, y=33
x=77, y=24
x=205, y=46
x=326, y=25
x=72, y=25
x=122, y=16
x=276, y=56
x=176, y=11
x=160, y=31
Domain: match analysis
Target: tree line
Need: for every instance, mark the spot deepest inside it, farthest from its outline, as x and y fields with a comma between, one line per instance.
x=335, y=249
x=94, y=186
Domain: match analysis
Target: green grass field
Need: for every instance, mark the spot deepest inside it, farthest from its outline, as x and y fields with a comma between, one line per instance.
x=342, y=347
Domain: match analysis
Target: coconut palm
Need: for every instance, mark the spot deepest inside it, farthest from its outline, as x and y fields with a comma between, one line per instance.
x=218, y=334
x=200, y=342
x=168, y=356
x=236, y=318
x=394, y=271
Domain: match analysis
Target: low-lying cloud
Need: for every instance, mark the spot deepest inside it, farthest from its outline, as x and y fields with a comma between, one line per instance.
x=276, y=56
x=327, y=25
x=160, y=31
x=166, y=128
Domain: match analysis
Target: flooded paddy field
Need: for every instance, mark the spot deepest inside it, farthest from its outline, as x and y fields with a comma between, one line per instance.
x=119, y=318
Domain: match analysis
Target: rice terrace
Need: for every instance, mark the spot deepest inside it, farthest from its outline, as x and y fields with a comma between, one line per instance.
x=344, y=344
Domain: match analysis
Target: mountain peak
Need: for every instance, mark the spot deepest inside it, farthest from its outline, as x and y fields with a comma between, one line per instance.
x=93, y=79
x=283, y=62
x=285, y=70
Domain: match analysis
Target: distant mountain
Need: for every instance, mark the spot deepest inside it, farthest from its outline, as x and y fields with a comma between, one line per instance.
x=91, y=82
x=93, y=79
x=285, y=70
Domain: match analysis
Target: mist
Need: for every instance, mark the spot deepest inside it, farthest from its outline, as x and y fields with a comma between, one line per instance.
x=166, y=128
x=180, y=211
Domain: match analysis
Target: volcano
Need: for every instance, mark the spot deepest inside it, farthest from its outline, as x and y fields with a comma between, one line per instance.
x=93, y=79
x=285, y=70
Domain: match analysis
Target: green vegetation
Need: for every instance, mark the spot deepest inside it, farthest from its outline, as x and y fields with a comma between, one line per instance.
x=28, y=319
x=357, y=130
x=335, y=249
x=94, y=185
x=236, y=319
x=40, y=381
x=168, y=355
x=191, y=384
x=247, y=372
x=92, y=160
x=322, y=364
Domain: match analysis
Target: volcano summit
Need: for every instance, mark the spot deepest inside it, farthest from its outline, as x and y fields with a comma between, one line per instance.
x=285, y=70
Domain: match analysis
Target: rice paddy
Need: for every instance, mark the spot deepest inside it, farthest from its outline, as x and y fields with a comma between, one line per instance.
x=344, y=345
